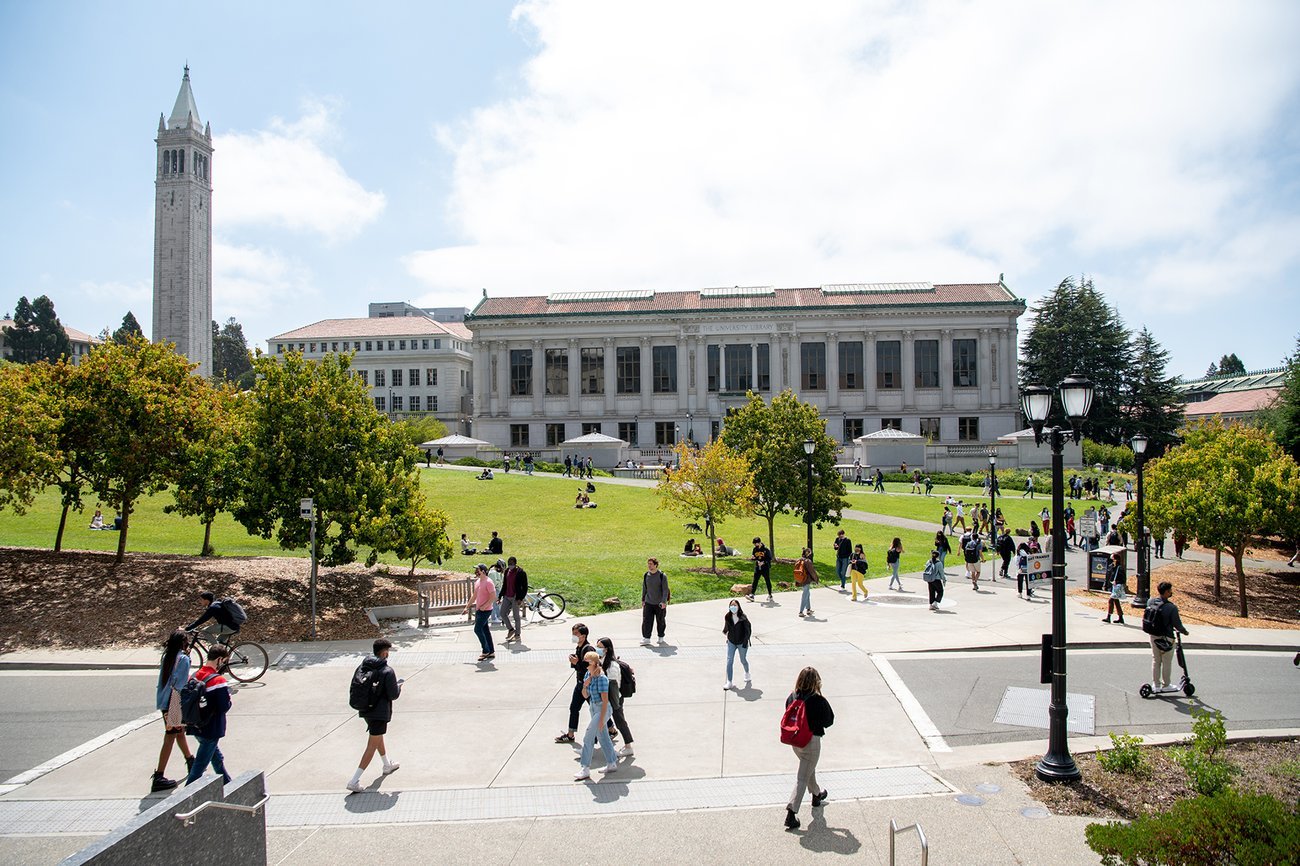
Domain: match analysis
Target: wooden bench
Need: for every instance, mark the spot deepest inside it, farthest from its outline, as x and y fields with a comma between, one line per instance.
x=444, y=596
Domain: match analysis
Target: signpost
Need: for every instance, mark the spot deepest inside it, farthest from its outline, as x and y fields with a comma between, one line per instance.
x=307, y=510
x=1038, y=568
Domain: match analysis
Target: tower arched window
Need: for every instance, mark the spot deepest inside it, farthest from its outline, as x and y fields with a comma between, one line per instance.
x=182, y=169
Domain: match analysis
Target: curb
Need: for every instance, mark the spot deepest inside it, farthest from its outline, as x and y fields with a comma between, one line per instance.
x=1020, y=647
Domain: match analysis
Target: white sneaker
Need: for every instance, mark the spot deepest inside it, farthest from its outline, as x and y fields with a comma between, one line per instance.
x=663, y=642
x=747, y=681
x=645, y=641
x=355, y=787
x=582, y=775
x=726, y=686
x=611, y=768
x=626, y=751
x=392, y=768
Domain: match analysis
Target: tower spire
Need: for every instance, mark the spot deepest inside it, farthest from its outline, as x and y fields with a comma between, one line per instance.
x=186, y=112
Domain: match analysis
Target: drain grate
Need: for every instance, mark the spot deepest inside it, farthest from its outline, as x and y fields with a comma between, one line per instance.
x=1027, y=708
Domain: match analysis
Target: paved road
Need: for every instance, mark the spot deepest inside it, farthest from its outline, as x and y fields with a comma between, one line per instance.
x=47, y=713
x=962, y=693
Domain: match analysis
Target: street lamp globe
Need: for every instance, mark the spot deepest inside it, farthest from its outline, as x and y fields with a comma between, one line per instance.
x=1076, y=397
x=809, y=446
x=1036, y=401
x=993, y=460
x=1139, y=443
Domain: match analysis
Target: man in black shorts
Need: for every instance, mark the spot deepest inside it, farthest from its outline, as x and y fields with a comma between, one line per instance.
x=379, y=714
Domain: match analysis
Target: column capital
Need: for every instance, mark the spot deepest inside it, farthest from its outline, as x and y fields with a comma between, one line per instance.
x=946, y=332
x=908, y=335
x=537, y=344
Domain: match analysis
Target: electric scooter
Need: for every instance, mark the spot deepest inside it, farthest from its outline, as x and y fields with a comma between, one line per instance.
x=1150, y=690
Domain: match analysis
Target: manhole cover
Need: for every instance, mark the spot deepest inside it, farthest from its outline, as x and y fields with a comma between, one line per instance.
x=969, y=799
x=988, y=788
x=1034, y=812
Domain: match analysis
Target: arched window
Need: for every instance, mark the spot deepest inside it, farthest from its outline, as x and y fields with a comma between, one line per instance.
x=182, y=170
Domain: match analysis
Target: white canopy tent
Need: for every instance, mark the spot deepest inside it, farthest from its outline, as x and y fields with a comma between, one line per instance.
x=454, y=446
x=606, y=451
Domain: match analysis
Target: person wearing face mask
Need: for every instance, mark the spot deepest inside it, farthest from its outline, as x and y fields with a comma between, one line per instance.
x=735, y=625
x=579, y=665
x=595, y=690
x=609, y=663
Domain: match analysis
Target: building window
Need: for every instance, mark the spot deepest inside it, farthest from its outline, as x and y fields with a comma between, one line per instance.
x=739, y=368
x=592, y=370
x=334, y=347
x=424, y=345
x=715, y=427
x=390, y=345
x=889, y=364
x=927, y=363
x=368, y=346
x=380, y=380
x=365, y=377
x=554, y=435
x=851, y=365
x=437, y=344
x=714, y=365
x=628, y=433
x=379, y=403
x=313, y=347
x=397, y=403
x=397, y=378
x=812, y=366
x=433, y=403
x=930, y=429
x=279, y=348
x=891, y=423
x=968, y=429
x=431, y=376
x=665, y=434
x=415, y=403
x=356, y=347
x=521, y=372
x=401, y=344
x=764, y=367
x=964, y=373
x=413, y=377
x=627, y=369
x=589, y=427
x=663, y=373
x=852, y=429
x=557, y=372
x=518, y=435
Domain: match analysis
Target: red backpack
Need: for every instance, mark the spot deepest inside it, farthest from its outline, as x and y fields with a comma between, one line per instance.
x=794, y=725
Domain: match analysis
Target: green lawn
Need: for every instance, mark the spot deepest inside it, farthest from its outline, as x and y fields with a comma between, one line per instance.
x=588, y=555
x=898, y=501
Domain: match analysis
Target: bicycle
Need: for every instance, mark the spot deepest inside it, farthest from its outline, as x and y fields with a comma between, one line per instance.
x=547, y=605
x=247, y=662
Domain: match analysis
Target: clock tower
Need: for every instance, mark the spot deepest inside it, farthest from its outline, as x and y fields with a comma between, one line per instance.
x=182, y=237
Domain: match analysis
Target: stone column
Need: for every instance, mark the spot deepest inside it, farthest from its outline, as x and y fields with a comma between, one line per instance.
x=609, y=376
x=985, y=371
x=753, y=365
x=945, y=366
x=538, y=383
x=832, y=371
x=869, y=369
x=647, y=374
x=575, y=362
x=683, y=373
x=907, y=367
x=482, y=395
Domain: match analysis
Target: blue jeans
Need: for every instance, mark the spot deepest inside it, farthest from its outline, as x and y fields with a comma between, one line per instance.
x=842, y=569
x=732, y=649
x=481, y=630
x=207, y=753
x=804, y=602
x=893, y=568
x=596, y=729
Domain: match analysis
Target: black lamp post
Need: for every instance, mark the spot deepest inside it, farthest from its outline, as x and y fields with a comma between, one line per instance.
x=808, y=447
x=1143, y=592
x=690, y=428
x=993, y=501
x=1076, y=397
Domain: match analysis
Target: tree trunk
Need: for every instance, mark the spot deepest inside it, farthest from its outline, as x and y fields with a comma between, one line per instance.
x=713, y=546
x=121, y=536
x=1218, y=573
x=771, y=536
x=63, y=521
x=1237, y=555
x=207, y=539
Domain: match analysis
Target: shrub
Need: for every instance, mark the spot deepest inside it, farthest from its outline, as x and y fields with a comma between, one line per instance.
x=1119, y=456
x=1206, y=769
x=470, y=461
x=1244, y=829
x=1125, y=755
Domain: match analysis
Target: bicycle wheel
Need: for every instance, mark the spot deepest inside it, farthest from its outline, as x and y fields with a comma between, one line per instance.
x=248, y=661
x=197, y=653
x=550, y=605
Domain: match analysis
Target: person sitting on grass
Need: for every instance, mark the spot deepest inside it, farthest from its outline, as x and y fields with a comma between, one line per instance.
x=723, y=550
x=467, y=547
x=97, y=522
x=485, y=475
x=691, y=548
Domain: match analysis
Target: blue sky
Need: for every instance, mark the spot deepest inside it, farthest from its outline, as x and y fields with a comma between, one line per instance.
x=428, y=151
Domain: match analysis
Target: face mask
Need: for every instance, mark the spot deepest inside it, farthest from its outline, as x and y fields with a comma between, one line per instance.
x=734, y=609
x=575, y=639
x=600, y=651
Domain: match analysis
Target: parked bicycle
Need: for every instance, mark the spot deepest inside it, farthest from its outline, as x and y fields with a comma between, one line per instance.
x=247, y=662
x=547, y=605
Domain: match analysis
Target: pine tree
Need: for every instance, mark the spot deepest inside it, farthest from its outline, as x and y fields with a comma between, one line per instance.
x=1154, y=406
x=230, y=359
x=130, y=330
x=37, y=334
x=1285, y=412
x=1231, y=365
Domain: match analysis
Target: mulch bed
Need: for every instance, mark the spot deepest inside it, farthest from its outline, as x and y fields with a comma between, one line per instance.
x=1264, y=767
x=83, y=600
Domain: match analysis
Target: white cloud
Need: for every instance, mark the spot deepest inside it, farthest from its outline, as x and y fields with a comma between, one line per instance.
x=251, y=282
x=683, y=144
x=138, y=292
x=283, y=176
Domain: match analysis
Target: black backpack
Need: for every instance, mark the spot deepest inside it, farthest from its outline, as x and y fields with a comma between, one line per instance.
x=1150, y=620
x=234, y=610
x=973, y=550
x=366, y=684
x=626, y=679
x=195, y=711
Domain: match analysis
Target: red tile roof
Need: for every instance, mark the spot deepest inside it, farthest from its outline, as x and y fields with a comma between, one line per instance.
x=1231, y=403
x=378, y=326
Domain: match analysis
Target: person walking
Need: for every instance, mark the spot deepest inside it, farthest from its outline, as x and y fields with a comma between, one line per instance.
x=934, y=579
x=655, y=595
x=577, y=661
x=216, y=695
x=1006, y=549
x=595, y=690
x=762, y=568
x=385, y=688
x=820, y=716
x=843, y=553
x=961, y=518
x=497, y=574
x=1023, y=586
x=485, y=594
x=941, y=544
x=173, y=674
x=514, y=591
x=1167, y=621
x=892, y=558
x=880, y=481
x=929, y=485
x=805, y=575
x=973, y=552
x=613, y=669
x=1117, y=588
x=947, y=521
x=736, y=626
x=858, y=572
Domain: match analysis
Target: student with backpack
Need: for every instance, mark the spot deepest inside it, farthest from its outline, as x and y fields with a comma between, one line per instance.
x=807, y=716
x=736, y=626
x=622, y=684
x=228, y=616
x=577, y=661
x=205, y=701
x=858, y=572
x=173, y=674
x=972, y=549
x=805, y=575
x=374, y=688
x=941, y=544
x=892, y=557
x=934, y=579
x=595, y=690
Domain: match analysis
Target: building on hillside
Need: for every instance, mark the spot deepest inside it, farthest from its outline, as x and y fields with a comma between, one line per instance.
x=1234, y=398
x=413, y=365
x=82, y=342
x=654, y=367
x=182, y=238
x=385, y=309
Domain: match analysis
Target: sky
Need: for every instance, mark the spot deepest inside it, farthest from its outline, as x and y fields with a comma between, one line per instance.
x=431, y=151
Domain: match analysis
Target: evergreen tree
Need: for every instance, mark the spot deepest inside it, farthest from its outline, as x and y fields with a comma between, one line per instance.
x=37, y=334
x=1212, y=370
x=1231, y=365
x=230, y=359
x=1154, y=406
x=1284, y=415
x=1076, y=331
x=130, y=330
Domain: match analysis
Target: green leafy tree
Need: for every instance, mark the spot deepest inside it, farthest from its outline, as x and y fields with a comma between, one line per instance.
x=231, y=361
x=1154, y=406
x=36, y=334
x=314, y=432
x=1075, y=331
x=129, y=330
x=144, y=411
x=709, y=485
x=409, y=528
x=30, y=420
x=1224, y=485
x=211, y=473
x=1284, y=415
x=1231, y=365
x=771, y=437
x=418, y=429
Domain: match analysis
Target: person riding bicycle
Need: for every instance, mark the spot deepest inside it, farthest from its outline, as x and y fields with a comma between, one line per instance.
x=225, y=624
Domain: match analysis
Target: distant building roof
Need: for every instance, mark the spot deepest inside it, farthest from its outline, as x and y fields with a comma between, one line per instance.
x=888, y=433
x=454, y=440
x=594, y=439
x=387, y=326
x=1201, y=389
x=1232, y=403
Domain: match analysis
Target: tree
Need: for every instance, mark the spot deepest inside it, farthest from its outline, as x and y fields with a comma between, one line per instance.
x=1154, y=406
x=709, y=485
x=129, y=330
x=771, y=437
x=231, y=361
x=314, y=432
x=37, y=334
x=1076, y=331
x=418, y=429
x=1223, y=485
x=29, y=434
x=211, y=473
x=1231, y=365
x=1284, y=414
x=413, y=531
x=143, y=410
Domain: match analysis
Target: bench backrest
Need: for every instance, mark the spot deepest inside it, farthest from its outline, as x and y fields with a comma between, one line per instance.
x=445, y=592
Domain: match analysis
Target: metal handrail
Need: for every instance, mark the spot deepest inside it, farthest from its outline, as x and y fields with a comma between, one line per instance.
x=187, y=818
x=894, y=830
